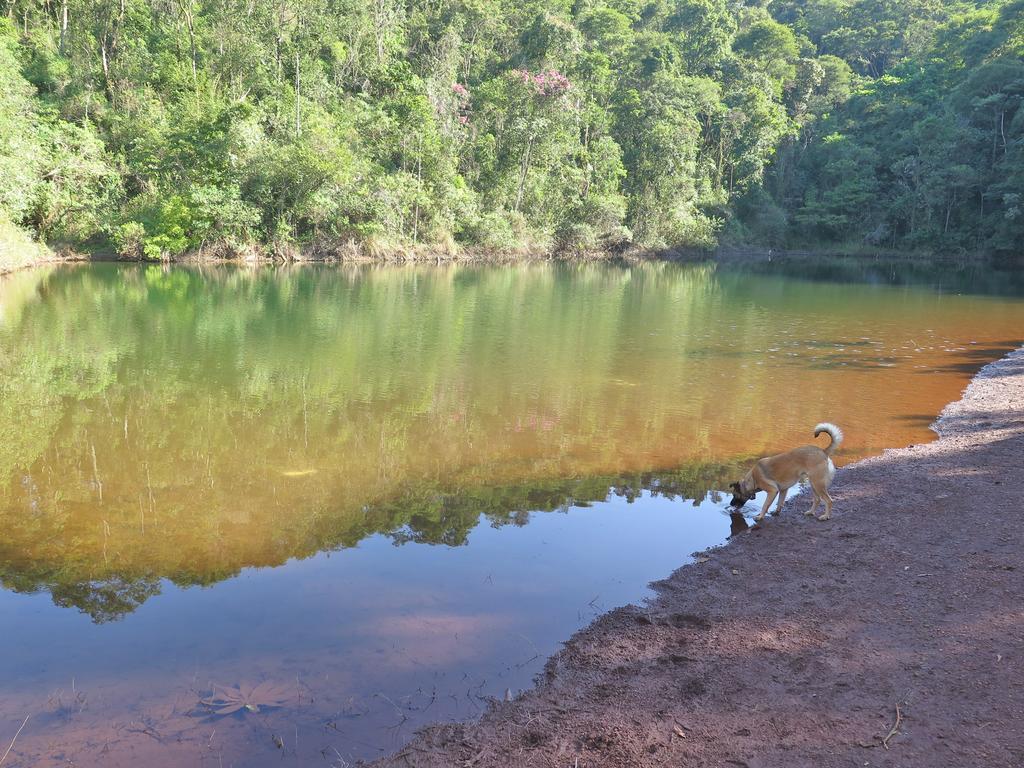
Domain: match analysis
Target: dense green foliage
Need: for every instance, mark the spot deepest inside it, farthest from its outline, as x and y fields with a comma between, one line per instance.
x=928, y=149
x=157, y=126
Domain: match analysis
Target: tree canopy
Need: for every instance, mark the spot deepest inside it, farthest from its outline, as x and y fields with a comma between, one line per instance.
x=153, y=127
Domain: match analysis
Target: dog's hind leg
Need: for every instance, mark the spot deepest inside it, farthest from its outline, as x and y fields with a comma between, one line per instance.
x=828, y=505
x=814, y=504
x=819, y=485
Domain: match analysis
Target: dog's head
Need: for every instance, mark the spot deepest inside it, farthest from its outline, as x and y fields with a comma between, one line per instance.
x=743, y=491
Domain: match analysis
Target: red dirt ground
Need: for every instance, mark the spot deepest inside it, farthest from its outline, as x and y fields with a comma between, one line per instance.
x=795, y=644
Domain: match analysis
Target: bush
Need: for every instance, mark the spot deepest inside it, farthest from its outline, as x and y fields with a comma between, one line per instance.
x=617, y=239
x=219, y=214
x=603, y=212
x=696, y=231
x=492, y=230
x=759, y=220
x=155, y=229
x=170, y=230
x=575, y=238
x=129, y=239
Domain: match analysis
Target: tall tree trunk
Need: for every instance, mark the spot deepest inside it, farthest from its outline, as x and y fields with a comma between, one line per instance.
x=719, y=167
x=522, y=172
x=995, y=139
x=419, y=189
x=277, y=57
x=587, y=177
x=188, y=16
x=63, y=25
x=105, y=62
x=192, y=45
x=298, y=105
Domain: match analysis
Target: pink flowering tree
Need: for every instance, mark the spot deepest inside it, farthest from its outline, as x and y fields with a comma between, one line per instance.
x=547, y=82
x=527, y=138
x=460, y=94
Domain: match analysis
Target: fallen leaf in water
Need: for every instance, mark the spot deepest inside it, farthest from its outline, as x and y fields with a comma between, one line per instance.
x=227, y=701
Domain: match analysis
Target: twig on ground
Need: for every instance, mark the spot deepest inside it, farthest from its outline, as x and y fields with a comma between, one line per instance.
x=884, y=740
x=153, y=733
x=11, y=745
x=895, y=728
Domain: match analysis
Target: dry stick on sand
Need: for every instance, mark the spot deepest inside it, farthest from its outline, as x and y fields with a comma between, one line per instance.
x=11, y=745
x=895, y=728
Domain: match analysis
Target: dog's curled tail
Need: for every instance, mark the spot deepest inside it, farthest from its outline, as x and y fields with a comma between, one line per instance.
x=834, y=432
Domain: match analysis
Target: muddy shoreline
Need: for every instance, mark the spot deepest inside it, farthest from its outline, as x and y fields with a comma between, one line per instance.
x=892, y=635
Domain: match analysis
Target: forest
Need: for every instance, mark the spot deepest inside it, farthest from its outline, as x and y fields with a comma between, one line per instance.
x=153, y=128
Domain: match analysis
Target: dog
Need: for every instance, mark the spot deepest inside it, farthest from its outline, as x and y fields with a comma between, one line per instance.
x=777, y=474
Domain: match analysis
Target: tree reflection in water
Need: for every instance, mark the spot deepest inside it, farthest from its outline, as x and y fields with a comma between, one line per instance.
x=183, y=424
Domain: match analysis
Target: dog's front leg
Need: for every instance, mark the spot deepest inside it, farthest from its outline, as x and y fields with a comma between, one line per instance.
x=772, y=493
x=782, y=500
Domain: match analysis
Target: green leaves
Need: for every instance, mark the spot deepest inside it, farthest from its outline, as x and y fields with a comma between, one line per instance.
x=486, y=122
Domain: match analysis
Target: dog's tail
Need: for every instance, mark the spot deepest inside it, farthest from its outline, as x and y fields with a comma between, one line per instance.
x=834, y=432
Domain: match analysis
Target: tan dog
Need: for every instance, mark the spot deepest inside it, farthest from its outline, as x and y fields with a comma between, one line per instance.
x=777, y=474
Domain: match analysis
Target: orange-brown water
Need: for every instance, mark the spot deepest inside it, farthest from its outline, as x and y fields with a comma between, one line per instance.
x=165, y=428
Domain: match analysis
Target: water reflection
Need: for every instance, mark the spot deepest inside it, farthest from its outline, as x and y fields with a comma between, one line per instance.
x=435, y=518
x=172, y=423
x=372, y=642
x=951, y=276
x=737, y=524
x=411, y=482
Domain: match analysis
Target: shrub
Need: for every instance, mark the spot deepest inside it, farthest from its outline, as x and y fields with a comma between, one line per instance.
x=129, y=239
x=576, y=238
x=219, y=214
x=172, y=227
x=492, y=230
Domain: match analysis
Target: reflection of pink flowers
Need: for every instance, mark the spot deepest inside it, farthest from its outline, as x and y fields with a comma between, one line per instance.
x=533, y=423
x=548, y=82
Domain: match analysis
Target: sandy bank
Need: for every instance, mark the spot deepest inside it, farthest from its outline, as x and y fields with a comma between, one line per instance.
x=795, y=644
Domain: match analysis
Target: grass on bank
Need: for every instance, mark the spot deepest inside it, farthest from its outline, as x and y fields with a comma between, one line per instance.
x=18, y=249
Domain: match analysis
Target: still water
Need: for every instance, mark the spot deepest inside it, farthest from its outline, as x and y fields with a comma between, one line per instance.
x=389, y=493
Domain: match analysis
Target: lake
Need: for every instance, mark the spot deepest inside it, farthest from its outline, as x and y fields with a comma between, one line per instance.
x=389, y=493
